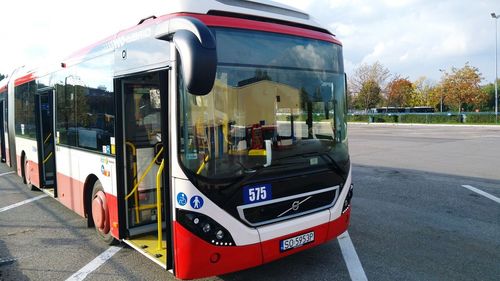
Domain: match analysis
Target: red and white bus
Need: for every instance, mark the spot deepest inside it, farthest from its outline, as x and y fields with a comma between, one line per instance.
x=211, y=139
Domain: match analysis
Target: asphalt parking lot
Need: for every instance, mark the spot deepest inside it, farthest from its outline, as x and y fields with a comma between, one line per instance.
x=412, y=218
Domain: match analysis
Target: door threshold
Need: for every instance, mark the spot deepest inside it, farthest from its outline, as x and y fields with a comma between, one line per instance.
x=48, y=191
x=147, y=245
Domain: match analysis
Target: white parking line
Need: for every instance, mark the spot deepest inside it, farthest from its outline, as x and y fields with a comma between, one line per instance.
x=8, y=173
x=94, y=264
x=351, y=258
x=485, y=194
x=22, y=203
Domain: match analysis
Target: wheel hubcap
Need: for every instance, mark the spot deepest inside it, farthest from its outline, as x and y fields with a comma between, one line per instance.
x=100, y=212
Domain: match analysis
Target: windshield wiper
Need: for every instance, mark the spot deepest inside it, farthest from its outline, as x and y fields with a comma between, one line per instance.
x=251, y=170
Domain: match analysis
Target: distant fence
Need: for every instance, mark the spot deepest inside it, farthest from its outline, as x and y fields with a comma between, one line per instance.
x=426, y=118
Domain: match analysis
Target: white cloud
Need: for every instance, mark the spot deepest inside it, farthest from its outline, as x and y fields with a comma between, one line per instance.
x=410, y=37
x=36, y=31
x=413, y=37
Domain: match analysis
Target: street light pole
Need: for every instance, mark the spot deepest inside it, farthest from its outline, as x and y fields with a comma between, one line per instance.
x=495, y=16
x=442, y=71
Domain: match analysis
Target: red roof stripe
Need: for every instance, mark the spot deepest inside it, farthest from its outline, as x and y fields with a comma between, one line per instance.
x=24, y=79
x=219, y=21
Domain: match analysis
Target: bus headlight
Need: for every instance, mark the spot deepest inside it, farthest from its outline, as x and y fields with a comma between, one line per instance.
x=219, y=234
x=205, y=227
x=347, y=202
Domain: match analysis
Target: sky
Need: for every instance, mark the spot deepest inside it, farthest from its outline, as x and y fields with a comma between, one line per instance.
x=412, y=38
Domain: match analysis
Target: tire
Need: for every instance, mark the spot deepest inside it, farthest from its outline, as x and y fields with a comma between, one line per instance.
x=25, y=174
x=100, y=214
x=23, y=168
x=28, y=181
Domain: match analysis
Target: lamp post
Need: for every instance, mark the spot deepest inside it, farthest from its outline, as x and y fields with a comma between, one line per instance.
x=495, y=16
x=442, y=71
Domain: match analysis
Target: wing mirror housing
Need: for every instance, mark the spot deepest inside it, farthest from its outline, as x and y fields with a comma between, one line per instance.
x=196, y=46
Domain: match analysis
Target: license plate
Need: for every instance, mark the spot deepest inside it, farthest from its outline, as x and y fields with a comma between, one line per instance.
x=297, y=241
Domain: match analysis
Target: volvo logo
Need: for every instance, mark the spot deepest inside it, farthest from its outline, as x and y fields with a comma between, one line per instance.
x=295, y=206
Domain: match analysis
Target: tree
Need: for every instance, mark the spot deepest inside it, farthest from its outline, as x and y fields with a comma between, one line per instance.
x=365, y=73
x=489, y=91
x=369, y=96
x=436, y=98
x=422, y=88
x=461, y=88
x=399, y=92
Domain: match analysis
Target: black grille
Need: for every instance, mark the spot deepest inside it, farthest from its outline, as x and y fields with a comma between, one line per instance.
x=277, y=210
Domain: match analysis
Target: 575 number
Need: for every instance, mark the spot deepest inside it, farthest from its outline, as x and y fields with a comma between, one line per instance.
x=255, y=194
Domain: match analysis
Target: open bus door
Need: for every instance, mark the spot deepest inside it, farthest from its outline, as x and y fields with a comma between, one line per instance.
x=2, y=131
x=146, y=179
x=44, y=103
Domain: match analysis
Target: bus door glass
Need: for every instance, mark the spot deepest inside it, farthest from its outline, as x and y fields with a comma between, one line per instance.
x=142, y=124
x=45, y=137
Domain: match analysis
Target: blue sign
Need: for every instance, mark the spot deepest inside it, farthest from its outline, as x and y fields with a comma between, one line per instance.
x=196, y=202
x=257, y=193
x=182, y=198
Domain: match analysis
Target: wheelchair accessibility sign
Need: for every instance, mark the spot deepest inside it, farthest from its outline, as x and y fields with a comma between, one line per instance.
x=182, y=198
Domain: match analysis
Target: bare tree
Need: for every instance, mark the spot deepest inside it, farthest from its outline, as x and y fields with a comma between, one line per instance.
x=375, y=72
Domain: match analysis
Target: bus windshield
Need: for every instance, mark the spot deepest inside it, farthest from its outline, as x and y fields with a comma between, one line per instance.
x=278, y=101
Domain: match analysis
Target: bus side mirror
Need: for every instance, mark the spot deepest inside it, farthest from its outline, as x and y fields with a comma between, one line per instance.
x=197, y=50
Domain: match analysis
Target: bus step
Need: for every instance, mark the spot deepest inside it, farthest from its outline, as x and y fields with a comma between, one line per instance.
x=147, y=245
x=49, y=191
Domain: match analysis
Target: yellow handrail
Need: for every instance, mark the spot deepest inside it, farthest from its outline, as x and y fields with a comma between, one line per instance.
x=158, y=204
x=202, y=166
x=134, y=170
x=47, y=158
x=46, y=139
x=144, y=175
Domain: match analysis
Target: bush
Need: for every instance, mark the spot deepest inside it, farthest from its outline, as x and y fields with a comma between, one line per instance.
x=357, y=118
x=431, y=118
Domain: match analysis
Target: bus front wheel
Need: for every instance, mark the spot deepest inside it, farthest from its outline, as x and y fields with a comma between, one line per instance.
x=100, y=214
x=26, y=173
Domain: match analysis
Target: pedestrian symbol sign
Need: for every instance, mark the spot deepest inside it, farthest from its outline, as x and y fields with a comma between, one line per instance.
x=196, y=202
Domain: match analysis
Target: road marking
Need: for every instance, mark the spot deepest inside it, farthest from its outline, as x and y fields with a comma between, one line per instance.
x=485, y=194
x=351, y=258
x=8, y=173
x=94, y=264
x=7, y=261
x=22, y=203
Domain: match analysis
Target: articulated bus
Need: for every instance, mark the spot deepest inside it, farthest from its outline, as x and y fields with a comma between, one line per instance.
x=211, y=139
